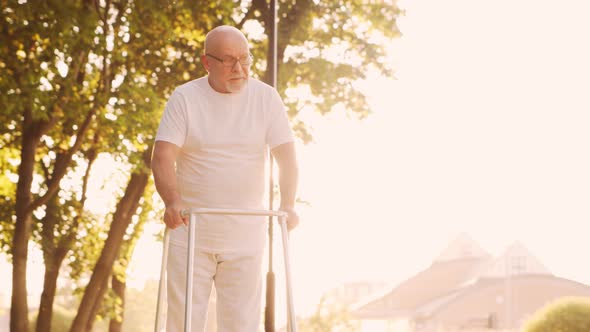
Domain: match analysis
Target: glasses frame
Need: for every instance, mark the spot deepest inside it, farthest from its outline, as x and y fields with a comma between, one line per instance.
x=234, y=60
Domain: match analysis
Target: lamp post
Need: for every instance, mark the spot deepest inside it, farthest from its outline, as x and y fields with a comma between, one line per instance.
x=269, y=310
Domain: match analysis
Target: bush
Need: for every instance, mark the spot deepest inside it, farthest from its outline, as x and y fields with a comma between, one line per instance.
x=564, y=315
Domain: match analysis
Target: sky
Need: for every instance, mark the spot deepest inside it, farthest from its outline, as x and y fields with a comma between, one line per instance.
x=483, y=131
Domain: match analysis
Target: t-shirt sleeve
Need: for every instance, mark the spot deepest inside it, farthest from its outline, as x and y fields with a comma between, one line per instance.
x=278, y=130
x=173, y=125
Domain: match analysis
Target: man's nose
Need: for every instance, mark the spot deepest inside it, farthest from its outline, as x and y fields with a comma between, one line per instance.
x=237, y=67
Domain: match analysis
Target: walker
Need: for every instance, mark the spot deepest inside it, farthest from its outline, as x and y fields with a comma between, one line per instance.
x=193, y=215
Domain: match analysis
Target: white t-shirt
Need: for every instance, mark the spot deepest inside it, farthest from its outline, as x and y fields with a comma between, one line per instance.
x=224, y=141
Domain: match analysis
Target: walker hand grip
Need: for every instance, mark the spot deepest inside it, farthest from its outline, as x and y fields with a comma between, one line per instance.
x=233, y=212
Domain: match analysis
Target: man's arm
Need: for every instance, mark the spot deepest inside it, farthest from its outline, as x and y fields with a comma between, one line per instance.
x=286, y=159
x=163, y=168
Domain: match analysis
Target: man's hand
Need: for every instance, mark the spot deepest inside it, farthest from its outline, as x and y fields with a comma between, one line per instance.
x=173, y=215
x=292, y=217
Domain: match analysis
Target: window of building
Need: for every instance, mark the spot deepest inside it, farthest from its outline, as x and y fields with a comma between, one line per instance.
x=518, y=265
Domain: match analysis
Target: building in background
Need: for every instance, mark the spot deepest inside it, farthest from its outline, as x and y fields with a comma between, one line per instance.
x=465, y=289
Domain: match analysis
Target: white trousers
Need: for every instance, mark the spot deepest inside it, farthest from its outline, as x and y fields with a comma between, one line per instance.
x=238, y=284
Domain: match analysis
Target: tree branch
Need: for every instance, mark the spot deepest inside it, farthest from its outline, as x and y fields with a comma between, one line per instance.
x=291, y=21
x=61, y=164
x=66, y=241
x=260, y=5
x=101, y=15
x=45, y=169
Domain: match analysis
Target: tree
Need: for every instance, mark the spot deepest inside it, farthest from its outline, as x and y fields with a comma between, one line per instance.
x=57, y=231
x=34, y=100
x=80, y=77
x=45, y=105
x=567, y=314
x=326, y=46
x=119, y=275
x=97, y=285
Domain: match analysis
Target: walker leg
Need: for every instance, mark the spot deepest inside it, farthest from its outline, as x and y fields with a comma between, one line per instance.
x=162, y=283
x=269, y=309
x=189, y=272
x=291, y=319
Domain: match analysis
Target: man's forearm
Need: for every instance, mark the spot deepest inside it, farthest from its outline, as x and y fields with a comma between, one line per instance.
x=163, y=167
x=165, y=180
x=288, y=173
x=288, y=178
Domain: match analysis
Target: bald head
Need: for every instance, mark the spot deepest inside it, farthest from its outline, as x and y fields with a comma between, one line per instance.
x=226, y=45
x=224, y=36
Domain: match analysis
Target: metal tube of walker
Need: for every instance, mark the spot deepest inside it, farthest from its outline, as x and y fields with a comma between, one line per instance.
x=291, y=318
x=161, y=284
x=189, y=272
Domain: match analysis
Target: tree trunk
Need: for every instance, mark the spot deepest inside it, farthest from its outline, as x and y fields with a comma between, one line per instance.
x=116, y=324
x=122, y=218
x=53, y=263
x=96, y=305
x=19, y=310
x=47, y=297
x=51, y=268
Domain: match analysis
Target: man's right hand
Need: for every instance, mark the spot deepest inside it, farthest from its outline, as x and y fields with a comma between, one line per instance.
x=173, y=215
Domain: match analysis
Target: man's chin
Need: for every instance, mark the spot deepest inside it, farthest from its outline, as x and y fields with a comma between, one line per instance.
x=236, y=85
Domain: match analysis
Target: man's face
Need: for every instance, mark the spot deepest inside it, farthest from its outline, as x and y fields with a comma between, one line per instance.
x=227, y=49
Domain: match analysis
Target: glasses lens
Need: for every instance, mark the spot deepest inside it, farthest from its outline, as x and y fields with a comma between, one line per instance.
x=246, y=60
x=229, y=61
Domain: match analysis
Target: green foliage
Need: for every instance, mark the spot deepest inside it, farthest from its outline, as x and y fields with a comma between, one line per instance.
x=9, y=158
x=329, y=316
x=35, y=37
x=564, y=315
x=95, y=75
x=111, y=307
x=6, y=222
x=327, y=46
x=86, y=249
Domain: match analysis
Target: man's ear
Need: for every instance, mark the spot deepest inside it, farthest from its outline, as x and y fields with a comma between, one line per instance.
x=205, y=62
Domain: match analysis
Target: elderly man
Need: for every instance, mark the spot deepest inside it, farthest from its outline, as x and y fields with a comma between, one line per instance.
x=210, y=151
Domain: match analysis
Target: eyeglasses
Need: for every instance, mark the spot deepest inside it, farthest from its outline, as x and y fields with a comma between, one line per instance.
x=229, y=61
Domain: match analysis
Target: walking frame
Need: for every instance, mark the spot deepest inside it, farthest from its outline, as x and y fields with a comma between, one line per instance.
x=193, y=216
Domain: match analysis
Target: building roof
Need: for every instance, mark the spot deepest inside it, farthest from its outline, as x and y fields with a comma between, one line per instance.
x=438, y=280
x=462, y=247
x=460, y=262
x=462, y=267
x=515, y=260
x=521, y=282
